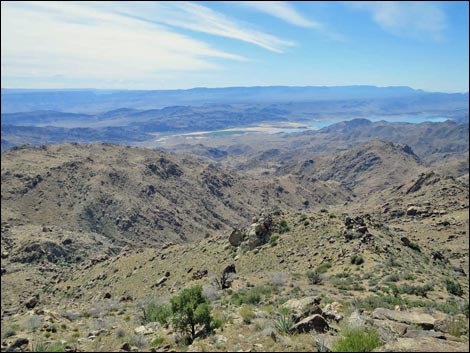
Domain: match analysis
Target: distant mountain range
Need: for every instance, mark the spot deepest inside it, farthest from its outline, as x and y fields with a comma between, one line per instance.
x=95, y=101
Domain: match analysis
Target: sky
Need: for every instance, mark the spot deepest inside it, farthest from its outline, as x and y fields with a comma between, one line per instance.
x=178, y=45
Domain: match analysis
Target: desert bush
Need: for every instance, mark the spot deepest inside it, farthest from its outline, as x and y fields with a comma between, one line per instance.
x=190, y=308
x=314, y=277
x=283, y=227
x=392, y=278
x=453, y=287
x=32, y=323
x=137, y=340
x=251, y=296
x=8, y=333
x=157, y=341
x=357, y=339
x=155, y=312
x=278, y=279
x=47, y=347
x=273, y=240
x=357, y=260
x=324, y=267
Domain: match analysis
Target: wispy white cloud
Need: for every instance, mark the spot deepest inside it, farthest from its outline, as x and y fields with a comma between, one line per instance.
x=422, y=19
x=282, y=10
x=81, y=40
x=199, y=18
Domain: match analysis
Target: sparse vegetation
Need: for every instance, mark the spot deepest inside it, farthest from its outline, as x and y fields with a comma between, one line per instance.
x=155, y=312
x=453, y=287
x=357, y=340
x=247, y=313
x=314, y=277
x=283, y=227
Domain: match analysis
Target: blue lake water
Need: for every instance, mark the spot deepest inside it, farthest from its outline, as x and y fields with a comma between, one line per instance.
x=401, y=119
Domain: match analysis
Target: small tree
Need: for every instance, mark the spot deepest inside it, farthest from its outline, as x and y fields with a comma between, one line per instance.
x=190, y=308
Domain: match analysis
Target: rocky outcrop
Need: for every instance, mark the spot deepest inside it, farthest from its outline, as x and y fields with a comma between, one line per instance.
x=423, y=344
x=299, y=309
x=257, y=234
x=423, y=320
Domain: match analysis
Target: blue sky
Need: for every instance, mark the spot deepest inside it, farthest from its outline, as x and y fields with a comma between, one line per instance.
x=168, y=45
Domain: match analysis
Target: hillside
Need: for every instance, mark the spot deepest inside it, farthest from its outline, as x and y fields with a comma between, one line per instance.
x=94, y=234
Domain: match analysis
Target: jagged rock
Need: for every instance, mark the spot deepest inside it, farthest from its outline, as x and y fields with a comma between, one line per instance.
x=199, y=274
x=356, y=319
x=302, y=308
x=32, y=302
x=18, y=344
x=423, y=320
x=405, y=241
x=312, y=323
x=126, y=347
x=411, y=211
x=423, y=333
x=437, y=255
x=423, y=344
x=160, y=281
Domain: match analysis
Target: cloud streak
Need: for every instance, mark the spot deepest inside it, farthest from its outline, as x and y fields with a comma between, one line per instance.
x=199, y=18
x=412, y=19
x=281, y=10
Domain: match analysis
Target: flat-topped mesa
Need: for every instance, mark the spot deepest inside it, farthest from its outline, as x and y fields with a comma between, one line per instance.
x=256, y=234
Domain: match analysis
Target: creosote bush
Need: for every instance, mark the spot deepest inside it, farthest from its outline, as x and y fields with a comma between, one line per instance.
x=314, y=277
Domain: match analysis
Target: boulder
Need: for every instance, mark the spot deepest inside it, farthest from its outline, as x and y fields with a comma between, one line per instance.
x=236, y=237
x=312, y=323
x=302, y=308
x=423, y=320
x=32, y=302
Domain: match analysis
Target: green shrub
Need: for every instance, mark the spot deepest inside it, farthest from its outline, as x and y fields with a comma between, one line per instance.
x=314, y=277
x=421, y=291
x=453, y=287
x=190, y=308
x=357, y=340
x=392, y=278
x=273, y=240
x=283, y=227
x=8, y=333
x=323, y=267
x=154, y=312
x=357, y=260
x=251, y=296
x=157, y=341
